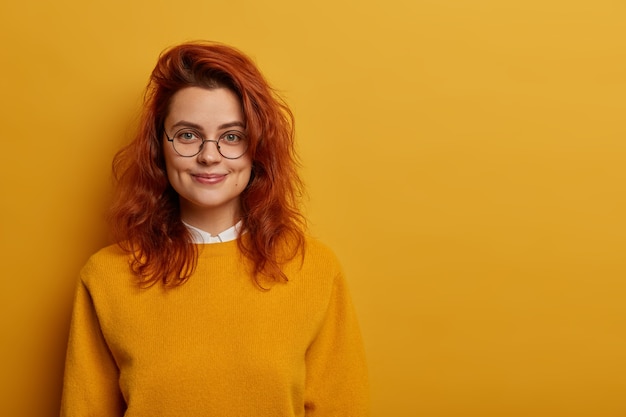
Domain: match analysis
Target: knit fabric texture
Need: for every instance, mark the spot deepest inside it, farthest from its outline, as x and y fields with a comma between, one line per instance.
x=217, y=345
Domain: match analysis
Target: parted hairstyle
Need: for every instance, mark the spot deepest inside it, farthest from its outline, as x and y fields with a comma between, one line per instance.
x=145, y=215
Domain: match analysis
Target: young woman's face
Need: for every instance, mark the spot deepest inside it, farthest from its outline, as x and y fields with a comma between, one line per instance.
x=209, y=185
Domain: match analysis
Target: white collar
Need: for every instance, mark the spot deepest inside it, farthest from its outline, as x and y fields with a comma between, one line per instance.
x=199, y=236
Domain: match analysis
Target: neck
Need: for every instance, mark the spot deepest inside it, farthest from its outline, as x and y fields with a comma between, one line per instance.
x=211, y=221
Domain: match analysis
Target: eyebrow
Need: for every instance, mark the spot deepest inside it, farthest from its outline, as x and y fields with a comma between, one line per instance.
x=184, y=123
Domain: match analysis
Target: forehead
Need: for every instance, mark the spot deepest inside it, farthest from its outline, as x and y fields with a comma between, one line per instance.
x=205, y=107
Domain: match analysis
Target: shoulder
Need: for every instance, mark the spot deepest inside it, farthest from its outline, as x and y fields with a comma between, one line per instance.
x=316, y=264
x=107, y=256
x=318, y=247
x=318, y=252
x=108, y=263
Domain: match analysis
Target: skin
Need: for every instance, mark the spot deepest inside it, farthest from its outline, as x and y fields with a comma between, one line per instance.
x=208, y=184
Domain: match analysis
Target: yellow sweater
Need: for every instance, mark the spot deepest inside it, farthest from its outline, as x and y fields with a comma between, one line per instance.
x=217, y=345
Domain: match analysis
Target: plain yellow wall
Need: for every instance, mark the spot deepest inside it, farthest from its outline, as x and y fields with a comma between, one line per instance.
x=466, y=160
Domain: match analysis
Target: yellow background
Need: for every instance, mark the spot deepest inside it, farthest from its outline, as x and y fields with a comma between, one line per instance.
x=465, y=159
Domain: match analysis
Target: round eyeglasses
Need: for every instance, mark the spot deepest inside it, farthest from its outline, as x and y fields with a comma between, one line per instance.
x=189, y=142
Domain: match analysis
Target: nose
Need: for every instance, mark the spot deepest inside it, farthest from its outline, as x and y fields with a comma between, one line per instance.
x=209, y=153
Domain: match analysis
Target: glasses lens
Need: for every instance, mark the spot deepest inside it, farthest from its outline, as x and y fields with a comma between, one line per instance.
x=232, y=146
x=187, y=142
x=186, y=148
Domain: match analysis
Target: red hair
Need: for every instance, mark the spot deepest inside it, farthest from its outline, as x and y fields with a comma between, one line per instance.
x=145, y=216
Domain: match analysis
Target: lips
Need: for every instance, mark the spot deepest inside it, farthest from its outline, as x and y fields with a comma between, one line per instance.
x=209, y=178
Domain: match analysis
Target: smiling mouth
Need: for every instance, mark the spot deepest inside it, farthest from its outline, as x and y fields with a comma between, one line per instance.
x=209, y=175
x=209, y=178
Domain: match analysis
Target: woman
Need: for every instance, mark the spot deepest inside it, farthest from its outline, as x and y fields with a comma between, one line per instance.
x=214, y=302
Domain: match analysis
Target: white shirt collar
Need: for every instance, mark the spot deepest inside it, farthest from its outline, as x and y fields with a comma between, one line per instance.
x=201, y=237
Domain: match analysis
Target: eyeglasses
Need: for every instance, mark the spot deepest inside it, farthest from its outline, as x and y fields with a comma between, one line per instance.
x=189, y=142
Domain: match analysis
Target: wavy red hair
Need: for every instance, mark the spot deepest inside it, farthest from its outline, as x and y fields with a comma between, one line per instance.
x=145, y=216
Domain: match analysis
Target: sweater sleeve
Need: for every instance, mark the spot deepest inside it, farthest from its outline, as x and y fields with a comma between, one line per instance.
x=336, y=372
x=90, y=385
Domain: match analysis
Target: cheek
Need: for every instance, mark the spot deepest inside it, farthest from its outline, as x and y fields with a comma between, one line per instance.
x=247, y=170
x=172, y=169
x=167, y=158
x=244, y=177
x=169, y=167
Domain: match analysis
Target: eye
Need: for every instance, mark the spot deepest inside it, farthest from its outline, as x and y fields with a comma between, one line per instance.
x=232, y=138
x=187, y=136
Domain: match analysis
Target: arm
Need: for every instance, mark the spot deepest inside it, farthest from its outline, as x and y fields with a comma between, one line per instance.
x=336, y=372
x=90, y=386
